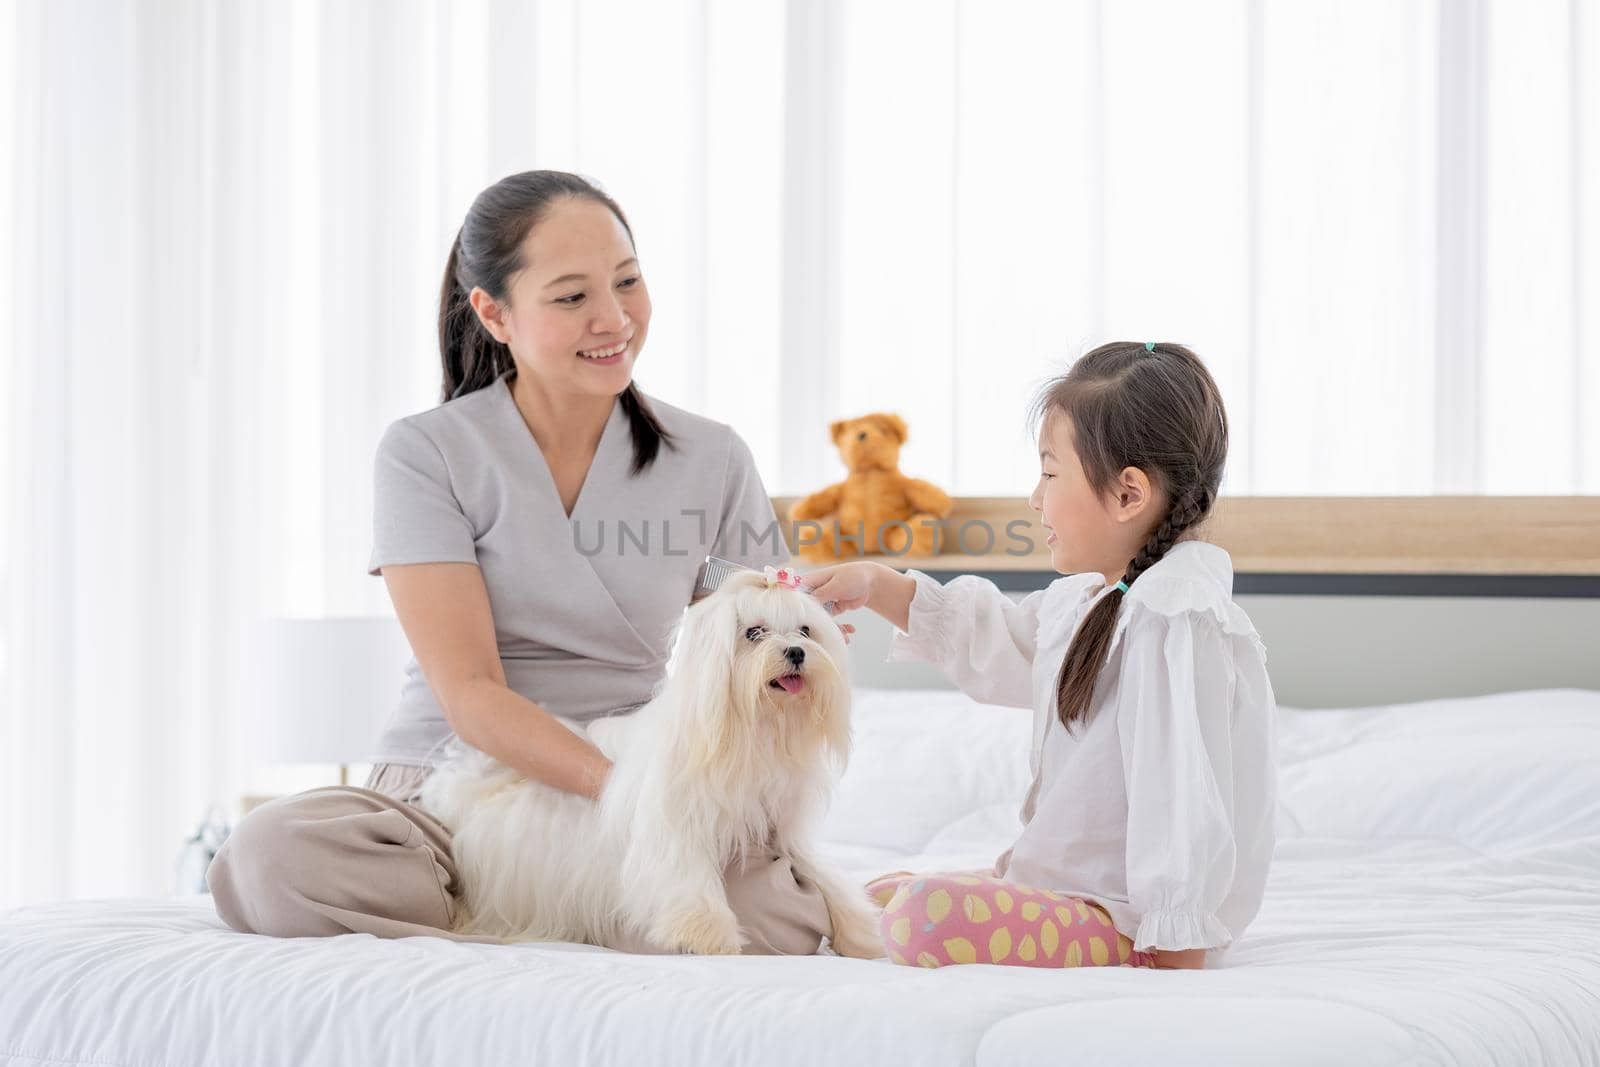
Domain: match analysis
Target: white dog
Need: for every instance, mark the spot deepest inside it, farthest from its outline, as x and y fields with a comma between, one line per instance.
x=735, y=753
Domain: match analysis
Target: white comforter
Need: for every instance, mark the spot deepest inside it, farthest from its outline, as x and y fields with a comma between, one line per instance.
x=1435, y=899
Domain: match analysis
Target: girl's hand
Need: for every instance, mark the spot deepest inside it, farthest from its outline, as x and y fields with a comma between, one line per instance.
x=863, y=584
x=846, y=586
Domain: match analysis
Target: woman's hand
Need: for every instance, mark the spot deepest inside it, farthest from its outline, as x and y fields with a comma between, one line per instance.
x=598, y=773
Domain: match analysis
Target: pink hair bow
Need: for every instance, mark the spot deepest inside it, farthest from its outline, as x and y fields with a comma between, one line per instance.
x=785, y=578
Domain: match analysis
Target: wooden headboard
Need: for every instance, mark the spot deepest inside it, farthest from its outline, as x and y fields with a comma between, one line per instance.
x=1405, y=546
x=1343, y=591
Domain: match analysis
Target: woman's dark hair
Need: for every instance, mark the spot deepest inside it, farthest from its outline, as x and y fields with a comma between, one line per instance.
x=1150, y=406
x=486, y=253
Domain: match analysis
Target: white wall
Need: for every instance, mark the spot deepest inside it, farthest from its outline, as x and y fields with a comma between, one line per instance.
x=1345, y=651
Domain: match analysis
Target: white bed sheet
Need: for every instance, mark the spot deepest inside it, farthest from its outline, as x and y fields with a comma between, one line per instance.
x=1435, y=899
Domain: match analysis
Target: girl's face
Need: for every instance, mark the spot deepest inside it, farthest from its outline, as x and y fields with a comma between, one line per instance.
x=576, y=316
x=1088, y=531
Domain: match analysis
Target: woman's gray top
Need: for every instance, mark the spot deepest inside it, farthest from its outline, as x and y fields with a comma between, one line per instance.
x=584, y=606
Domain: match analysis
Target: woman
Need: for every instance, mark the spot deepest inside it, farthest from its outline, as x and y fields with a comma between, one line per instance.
x=540, y=533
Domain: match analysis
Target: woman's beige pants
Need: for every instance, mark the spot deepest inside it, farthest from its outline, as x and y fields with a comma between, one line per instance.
x=344, y=860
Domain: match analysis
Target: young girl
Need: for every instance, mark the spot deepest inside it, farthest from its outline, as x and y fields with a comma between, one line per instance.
x=1147, y=831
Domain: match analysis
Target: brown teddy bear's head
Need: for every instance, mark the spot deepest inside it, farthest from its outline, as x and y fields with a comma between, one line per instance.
x=871, y=442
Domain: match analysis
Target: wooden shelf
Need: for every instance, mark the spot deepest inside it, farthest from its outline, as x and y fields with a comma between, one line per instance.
x=1439, y=535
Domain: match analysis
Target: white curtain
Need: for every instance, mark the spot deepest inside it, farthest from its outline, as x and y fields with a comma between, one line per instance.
x=222, y=228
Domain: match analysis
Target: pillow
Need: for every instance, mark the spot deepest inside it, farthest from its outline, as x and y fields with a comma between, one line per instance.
x=923, y=761
x=933, y=766
x=1486, y=772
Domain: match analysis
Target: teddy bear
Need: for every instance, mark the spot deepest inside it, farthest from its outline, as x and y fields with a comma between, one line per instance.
x=863, y=514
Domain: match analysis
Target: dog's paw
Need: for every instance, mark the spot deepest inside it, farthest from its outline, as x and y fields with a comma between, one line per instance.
x=703, y=931
x=855, y=931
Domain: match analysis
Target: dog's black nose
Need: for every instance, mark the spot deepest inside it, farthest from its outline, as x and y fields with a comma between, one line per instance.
x=795, y=654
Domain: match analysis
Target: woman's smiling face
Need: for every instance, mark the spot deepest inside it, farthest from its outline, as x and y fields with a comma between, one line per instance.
x=578, y=311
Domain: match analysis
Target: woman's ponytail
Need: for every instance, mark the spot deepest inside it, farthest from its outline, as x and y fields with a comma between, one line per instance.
x=470, y=358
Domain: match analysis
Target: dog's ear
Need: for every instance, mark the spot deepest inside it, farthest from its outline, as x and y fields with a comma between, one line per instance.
x=702, y=684
x=831, y=699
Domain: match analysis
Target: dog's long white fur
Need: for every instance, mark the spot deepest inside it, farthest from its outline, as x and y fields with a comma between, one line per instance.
x=720, y=764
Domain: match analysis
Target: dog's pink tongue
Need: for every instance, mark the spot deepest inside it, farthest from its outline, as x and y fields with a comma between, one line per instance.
x=792, y=683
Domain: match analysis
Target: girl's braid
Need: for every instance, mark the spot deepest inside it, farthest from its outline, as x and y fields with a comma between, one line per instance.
x=1186, y=511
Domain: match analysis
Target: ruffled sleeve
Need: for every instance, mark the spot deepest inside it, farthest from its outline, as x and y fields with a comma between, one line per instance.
x=980, y=639
x=1174, y=711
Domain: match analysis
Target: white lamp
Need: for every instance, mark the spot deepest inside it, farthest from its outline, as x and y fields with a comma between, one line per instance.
x=328, y=687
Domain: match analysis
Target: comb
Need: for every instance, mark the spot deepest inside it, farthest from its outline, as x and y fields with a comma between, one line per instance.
x=716, y=571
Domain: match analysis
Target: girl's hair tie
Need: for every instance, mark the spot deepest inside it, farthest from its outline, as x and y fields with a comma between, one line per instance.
x=1149, y=346
x=1122, y=586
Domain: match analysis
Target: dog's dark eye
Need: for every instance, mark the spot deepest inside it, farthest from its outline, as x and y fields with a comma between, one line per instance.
x=754, y=633
x=805, y=631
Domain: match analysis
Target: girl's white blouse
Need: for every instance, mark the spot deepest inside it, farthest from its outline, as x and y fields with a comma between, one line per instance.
x=1160, y=806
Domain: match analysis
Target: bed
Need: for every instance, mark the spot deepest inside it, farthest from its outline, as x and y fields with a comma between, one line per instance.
x=1435, y=899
